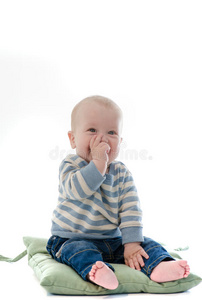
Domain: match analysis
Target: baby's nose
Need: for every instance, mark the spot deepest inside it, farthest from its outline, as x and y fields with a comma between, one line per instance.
x=104, y=138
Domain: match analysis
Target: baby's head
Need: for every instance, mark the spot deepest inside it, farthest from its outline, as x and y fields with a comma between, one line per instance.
x=89, y=103
x=93, y=116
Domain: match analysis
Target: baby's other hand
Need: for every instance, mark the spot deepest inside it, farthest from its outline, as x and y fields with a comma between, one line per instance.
x=133, y=255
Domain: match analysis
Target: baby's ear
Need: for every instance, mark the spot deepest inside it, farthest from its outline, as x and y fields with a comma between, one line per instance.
x=72, y=139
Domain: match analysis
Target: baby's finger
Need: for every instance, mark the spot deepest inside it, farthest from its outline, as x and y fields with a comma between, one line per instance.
x=144, y=254
x=97, y=140
x=140, y=260
x=136, y=264
x=105, y=146
x=126, y=262
x=131, y=264
x=92, y=141
x=108, y=148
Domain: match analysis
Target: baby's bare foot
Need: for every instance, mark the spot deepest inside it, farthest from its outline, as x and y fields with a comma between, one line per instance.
x=102, y=275
x=170, y=270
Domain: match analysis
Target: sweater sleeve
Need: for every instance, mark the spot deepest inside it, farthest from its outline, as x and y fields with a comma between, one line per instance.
x=78, y=183
x=130, y=213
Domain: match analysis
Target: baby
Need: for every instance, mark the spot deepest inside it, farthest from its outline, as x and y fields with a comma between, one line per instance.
x=98, y=218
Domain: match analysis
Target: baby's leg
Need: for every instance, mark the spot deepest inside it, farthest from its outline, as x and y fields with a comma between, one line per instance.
x=161, y=266
x=170, y=270
x=103, y=276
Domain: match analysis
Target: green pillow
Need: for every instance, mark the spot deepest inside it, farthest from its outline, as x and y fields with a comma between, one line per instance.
x=58, y=278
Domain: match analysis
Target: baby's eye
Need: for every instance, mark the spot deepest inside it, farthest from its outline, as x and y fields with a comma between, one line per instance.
x=111, y=132
x=92, y=130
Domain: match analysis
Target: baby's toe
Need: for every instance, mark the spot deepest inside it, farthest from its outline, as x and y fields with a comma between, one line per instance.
x=94, y=268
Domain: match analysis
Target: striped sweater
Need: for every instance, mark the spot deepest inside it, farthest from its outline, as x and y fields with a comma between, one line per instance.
x=94, y=206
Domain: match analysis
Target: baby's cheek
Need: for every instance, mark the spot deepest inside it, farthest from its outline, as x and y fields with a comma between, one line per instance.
x=114, y=153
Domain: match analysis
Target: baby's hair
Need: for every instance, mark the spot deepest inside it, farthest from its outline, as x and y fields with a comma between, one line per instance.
x=108, y=103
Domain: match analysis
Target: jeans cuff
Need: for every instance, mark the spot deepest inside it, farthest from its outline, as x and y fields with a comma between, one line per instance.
x=148, y=270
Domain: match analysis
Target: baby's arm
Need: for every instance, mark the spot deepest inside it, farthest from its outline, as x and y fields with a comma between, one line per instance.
x=99, y=152
x=133, y=255
x=130, y=215
x=77, y=183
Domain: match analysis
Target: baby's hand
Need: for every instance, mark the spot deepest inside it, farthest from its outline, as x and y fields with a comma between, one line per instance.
x=133, y=254
x=99, y=152
x=99, y=149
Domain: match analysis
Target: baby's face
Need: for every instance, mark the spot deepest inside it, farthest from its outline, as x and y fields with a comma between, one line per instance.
x=95, y=119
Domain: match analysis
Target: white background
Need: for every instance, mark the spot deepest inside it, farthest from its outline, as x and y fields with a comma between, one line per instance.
x=146, y=56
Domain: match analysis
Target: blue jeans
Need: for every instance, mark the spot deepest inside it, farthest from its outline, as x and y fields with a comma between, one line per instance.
x=81, y=255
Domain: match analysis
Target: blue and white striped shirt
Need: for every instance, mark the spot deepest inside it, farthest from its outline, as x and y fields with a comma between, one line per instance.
x=94, y=206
